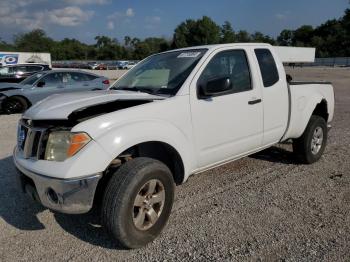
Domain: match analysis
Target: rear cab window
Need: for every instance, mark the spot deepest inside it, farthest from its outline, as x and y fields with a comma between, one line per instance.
x=268, y=68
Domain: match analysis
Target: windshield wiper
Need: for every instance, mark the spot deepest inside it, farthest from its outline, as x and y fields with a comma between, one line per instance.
x=151, y=91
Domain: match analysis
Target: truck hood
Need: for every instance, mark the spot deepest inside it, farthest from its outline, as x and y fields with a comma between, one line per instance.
x=93, y=103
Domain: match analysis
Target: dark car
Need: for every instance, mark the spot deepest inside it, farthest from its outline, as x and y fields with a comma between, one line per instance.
x=16, y=73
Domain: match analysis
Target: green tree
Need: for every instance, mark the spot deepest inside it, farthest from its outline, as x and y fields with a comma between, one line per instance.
x=127, y=41
x=243, y=36
x=286, y=38
x=197, y=32
x=259, y=37
x=303, y=35
x=69, y=49
x=149, y=46
x=108, y=48
x=33, y=41
x=345, y=22
x=227, y=33
x=4, y=46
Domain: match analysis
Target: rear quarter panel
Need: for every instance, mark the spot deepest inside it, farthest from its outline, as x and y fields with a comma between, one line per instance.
x=304, y=99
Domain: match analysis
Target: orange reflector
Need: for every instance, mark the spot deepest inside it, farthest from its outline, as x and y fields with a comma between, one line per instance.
x=77, y=142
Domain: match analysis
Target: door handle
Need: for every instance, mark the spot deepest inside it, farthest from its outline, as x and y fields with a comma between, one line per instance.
x=253, y=102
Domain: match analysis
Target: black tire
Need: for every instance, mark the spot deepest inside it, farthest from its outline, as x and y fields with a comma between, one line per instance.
x=302, y=147
x=118, y=208
x=13, y=105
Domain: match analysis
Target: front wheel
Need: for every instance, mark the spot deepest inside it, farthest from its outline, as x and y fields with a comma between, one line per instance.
x=310, y=146
x=138, y=201
x=13, y=105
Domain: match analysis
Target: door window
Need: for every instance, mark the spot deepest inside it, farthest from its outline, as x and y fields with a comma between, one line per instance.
x=53, y=79
x=232, y=64
x=76, y=77
x=267, y=66
x=21, y=70
x=32, y=69
x=5, y=71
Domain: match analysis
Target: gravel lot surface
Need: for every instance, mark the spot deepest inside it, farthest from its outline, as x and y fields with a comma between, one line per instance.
x=265, y=206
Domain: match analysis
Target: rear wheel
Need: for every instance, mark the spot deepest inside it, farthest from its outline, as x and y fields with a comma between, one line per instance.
x=310, y=146
x=138, y=201
x=13, y=105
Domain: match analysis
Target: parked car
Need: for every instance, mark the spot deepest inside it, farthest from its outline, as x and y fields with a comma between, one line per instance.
x=126, y=64
x=111, y=66
x=131, y=64
x=175, y=114
x=101, y=67
x=16, y=73
x=122, y=65
x=92, y=65
x=16, y=98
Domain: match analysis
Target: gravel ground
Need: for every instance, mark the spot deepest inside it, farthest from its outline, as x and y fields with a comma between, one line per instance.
x=262, y=207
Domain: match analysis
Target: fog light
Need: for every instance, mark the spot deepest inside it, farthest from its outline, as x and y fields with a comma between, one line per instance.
x=52, y=196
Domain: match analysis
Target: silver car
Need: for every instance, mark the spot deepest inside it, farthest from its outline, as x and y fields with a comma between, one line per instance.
x=16, y=98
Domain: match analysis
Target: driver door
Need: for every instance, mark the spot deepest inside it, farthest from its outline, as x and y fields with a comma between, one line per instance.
x=229, y=123
x=47, y=85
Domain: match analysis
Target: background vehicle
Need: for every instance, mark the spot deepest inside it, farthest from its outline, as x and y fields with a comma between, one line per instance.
x=131, y=64
x=175, y=114
x=101, y=67
x=15, y=98
x=16, y=73
x=125, y=64
x=92, y=65
x=13, y=58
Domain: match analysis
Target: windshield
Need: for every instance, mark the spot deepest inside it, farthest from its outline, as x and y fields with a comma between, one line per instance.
x=162, y=73
x=32, y=79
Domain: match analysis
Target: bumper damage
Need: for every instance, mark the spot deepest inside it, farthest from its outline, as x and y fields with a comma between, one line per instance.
x=70, y=196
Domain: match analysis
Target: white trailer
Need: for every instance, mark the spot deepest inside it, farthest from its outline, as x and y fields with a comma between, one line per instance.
x=12, y=58
x=289, y=54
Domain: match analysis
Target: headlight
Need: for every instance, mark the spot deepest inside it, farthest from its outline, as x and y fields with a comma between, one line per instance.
x=62, y=145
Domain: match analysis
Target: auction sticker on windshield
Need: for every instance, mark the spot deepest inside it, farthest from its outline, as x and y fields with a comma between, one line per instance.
x=189, y=54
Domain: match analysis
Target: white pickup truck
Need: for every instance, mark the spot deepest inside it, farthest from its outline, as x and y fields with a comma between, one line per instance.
x=173, y=115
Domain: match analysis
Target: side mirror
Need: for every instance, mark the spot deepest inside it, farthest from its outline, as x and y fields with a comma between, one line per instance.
x=41, y=84
x=289, y=78
x=215, y=87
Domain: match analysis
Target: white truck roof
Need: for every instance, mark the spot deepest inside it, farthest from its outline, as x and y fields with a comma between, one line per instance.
x=286, y=54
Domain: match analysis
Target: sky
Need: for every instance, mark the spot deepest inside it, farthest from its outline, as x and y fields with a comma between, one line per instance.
x=85, y=19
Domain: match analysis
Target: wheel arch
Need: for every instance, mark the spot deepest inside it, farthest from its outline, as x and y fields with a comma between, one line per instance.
x=321, y=110
x=20, y=96
x=302, y=110
x=158, y=150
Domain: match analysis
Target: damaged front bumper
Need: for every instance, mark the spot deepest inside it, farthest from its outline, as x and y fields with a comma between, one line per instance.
x=70, y=196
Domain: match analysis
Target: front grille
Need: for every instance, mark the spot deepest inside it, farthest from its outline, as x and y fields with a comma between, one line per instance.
x=32, y=140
